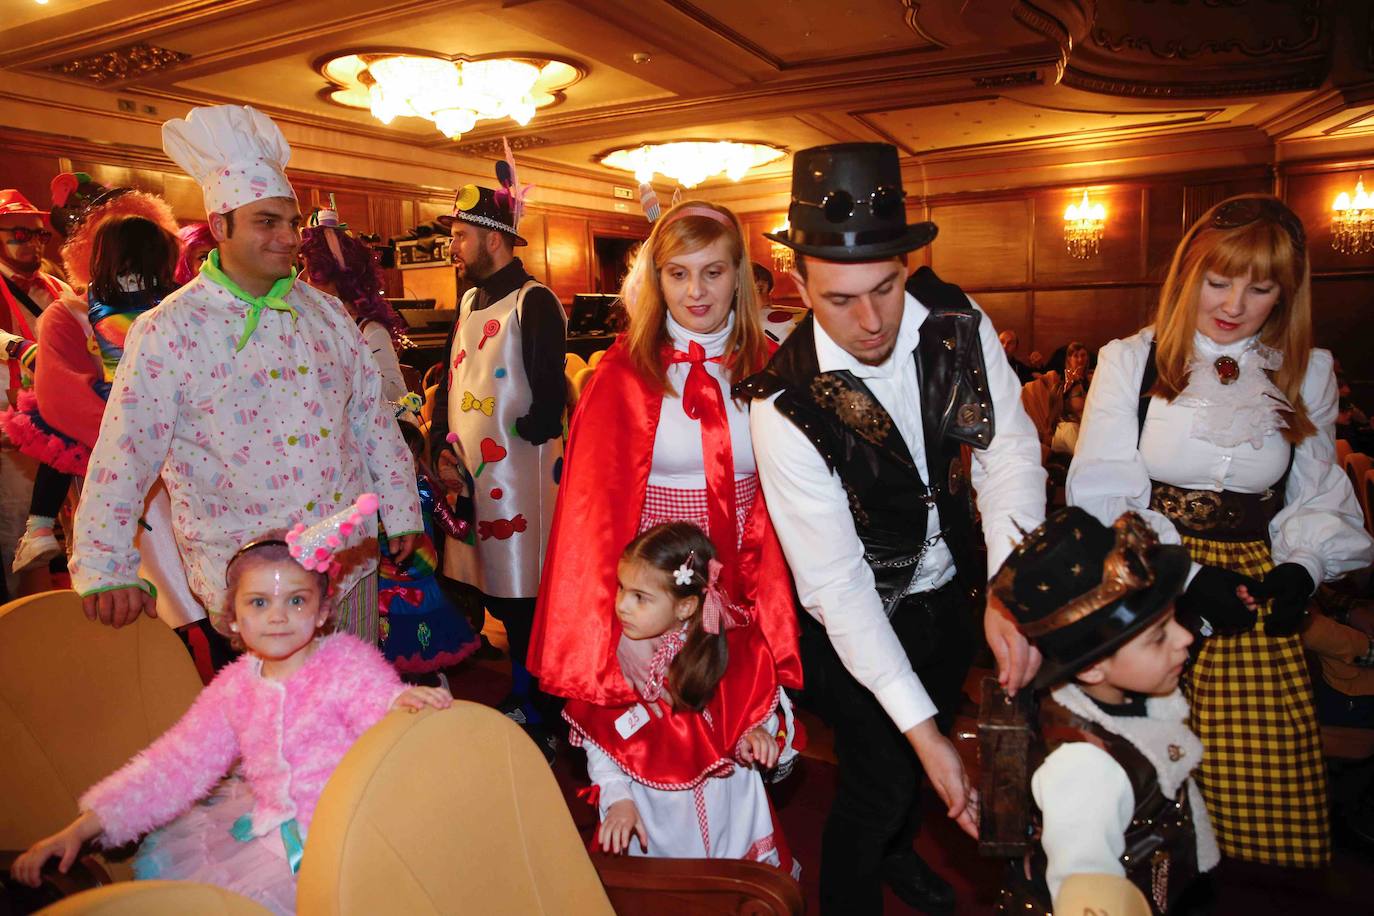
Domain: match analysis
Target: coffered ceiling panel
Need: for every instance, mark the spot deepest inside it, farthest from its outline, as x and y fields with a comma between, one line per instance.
x=991, y=122
x=955, y=77
x=795, y=32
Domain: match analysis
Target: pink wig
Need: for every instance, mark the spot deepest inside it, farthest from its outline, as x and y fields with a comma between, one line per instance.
x=76, y=254
x=192, y=235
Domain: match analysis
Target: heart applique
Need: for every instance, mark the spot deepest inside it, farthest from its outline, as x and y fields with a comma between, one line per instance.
x=492, y=452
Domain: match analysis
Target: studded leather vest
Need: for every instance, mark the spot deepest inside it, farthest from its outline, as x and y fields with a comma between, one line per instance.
x=1160, y=854
x=858, y=440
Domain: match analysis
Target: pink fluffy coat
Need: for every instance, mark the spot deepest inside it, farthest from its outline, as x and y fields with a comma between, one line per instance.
x=290, y=735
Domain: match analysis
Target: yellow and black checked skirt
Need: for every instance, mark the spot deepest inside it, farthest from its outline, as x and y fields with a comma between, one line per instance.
x=1262, y=774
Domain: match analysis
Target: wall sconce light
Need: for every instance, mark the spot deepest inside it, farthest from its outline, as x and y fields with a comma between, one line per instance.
x=1083, y=225
x=784, y=258
x=1352, y=221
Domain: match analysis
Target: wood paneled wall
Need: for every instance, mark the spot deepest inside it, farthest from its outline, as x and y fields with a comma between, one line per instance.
x=1006, y=249
x=560, y=250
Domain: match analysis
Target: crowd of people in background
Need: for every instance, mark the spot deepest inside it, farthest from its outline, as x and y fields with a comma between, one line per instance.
x=753, y=510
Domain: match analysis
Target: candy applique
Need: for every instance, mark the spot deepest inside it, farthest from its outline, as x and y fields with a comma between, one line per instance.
x=502, y=528
x=482, y=405
x=489, y=330
x=492, y=452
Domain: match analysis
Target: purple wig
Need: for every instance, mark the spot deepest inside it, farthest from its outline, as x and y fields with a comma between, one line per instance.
x=358, y=279
x=192, y=235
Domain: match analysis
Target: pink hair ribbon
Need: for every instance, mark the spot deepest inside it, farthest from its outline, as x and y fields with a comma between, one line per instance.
x=715, y=610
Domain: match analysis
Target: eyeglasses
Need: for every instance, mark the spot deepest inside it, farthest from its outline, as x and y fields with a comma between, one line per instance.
x=885, y=203
x=1245, y=210
x=23, y=235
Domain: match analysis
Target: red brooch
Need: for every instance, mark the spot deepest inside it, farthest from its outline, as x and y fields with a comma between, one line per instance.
x=1228, y=370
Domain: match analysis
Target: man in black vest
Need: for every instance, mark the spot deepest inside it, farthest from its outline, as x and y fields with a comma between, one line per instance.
x=858, y=423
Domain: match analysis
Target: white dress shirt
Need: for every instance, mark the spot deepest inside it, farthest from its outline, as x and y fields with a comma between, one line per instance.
x=1320, y=527
x=678, y=461
x=810, y=509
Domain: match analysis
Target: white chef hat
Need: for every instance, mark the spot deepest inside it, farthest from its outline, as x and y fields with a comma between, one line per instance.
x=234, y=152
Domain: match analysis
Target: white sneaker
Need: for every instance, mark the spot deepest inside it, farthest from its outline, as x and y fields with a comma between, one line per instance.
x=37, y=546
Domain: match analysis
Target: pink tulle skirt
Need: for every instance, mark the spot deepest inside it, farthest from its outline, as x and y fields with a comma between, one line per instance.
x=25, y=427
x=198, y=846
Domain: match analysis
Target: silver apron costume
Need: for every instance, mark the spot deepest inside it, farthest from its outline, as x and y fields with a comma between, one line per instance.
x=514, y=483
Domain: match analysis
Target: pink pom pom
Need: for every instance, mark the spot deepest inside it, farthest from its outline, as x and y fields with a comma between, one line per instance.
x=368, y=503
x=295, y=550
x=355, y=518
x=346, y=528
x=451, y=438
x=333, y=541
x=321, y=555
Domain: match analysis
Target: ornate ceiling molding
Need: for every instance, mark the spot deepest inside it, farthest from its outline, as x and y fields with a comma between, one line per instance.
x=1201, y=43
x=1203, y=48
x=493, y=149
x=119, y=64
x=1063, y=22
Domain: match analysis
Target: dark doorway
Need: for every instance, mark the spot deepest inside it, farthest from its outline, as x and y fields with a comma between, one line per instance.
x=612, y=261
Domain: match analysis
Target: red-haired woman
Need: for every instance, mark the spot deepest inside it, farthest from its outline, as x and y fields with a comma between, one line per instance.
x=1217, y=424
x=657, y=437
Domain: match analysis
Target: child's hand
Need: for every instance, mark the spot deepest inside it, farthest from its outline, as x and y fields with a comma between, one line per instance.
x=417, y=698
x=65, y=844
x=760, y=747
x=622, y=821
x=448, y=473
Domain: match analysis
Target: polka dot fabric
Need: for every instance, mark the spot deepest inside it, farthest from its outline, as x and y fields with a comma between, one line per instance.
x=291, y=428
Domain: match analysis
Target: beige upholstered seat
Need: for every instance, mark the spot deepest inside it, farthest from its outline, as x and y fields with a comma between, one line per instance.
x=596, y=358
x=446, y=812
x=580, y=381
x=1099, y=895
x=156, y=898
x=77, y=700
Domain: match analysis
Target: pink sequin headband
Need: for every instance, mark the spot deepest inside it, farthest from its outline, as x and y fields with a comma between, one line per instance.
x=708, y=212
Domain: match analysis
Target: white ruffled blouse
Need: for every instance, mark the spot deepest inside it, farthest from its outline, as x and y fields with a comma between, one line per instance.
x=1320, y=526
x=678, y=461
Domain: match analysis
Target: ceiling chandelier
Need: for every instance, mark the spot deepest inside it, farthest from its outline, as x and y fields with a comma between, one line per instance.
x=1352, y=221
x=690, y=162
x=454, y=94
x=1083, y=225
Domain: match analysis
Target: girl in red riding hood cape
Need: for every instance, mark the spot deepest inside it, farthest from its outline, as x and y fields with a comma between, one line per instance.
x=678, y=771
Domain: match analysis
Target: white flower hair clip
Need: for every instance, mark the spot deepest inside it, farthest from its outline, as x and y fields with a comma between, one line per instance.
x=684, y=573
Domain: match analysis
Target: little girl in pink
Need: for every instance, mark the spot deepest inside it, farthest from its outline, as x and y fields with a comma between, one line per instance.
x=287, y=710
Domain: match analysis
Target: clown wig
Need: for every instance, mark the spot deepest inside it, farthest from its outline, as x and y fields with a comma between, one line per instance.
x=193, y=236
x=333, y=256
x=76, y=253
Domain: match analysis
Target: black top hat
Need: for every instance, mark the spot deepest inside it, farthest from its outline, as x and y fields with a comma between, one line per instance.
x=482, y=207
x=848, y=205
x=1080, y=590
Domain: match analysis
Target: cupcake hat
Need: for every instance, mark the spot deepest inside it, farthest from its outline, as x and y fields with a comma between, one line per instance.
x=334, y=545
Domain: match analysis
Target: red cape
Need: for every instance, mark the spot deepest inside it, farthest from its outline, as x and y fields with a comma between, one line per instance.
x=605, y=475
x=681, y=749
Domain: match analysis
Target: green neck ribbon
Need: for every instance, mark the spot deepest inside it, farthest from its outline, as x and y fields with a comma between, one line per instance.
x=275, y=298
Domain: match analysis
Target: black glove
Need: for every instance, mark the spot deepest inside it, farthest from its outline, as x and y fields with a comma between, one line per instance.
x=1290, y=587
x=1212, y=597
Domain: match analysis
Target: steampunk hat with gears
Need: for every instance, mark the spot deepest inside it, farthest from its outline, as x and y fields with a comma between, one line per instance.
x=848, y=204
x=1080, y=590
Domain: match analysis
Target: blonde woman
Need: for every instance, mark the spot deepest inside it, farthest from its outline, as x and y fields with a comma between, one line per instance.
x=657, y=437
x=1217, y=424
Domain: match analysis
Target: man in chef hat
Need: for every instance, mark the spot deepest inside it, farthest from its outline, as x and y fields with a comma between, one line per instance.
x=252, y=395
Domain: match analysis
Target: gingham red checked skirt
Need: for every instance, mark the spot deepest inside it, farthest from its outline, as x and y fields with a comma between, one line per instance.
x=666, y=504
x=1262, y=774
